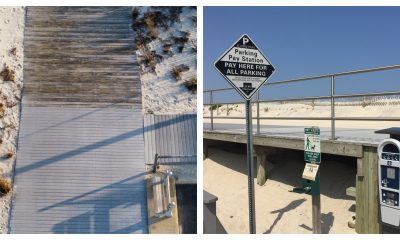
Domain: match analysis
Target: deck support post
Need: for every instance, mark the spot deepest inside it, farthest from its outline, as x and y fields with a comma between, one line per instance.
x=367, y=192
x=261, y=169
x=205, y=149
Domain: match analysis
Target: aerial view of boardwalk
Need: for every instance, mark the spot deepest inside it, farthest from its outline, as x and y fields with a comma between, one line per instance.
x=98, y=128
x=316, y=149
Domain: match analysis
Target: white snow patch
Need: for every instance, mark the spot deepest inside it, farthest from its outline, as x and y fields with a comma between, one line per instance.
x=11, y=36
x=161, y=93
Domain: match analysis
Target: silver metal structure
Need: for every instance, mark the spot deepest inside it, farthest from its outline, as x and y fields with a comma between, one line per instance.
x=332, y=98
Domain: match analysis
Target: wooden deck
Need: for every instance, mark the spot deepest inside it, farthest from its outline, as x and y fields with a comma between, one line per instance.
x=80, y=56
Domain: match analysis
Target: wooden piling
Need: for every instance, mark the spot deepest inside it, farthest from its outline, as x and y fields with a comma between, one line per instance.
x=367, y=202
x=261, y=169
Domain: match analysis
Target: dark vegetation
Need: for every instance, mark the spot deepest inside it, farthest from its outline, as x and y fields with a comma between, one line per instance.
x=5, y=185
x=191, y=85
x=151, y=58
x=178, y=70
x=7, y=74
x=14, y=51
x=214, y=107
x=9, y=154
x=2, y=110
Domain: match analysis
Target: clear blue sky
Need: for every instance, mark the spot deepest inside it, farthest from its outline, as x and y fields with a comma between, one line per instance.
x=308, y=41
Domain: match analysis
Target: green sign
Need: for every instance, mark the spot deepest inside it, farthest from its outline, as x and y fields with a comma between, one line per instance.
x=312, y=145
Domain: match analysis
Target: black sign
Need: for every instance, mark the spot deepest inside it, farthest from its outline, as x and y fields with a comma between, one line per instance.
x=245, y=67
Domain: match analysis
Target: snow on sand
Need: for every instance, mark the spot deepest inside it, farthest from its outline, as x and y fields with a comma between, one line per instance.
x=11, y=55
x=171, y=46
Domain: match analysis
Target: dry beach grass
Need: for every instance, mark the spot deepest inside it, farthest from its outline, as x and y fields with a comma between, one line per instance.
x=166, y=50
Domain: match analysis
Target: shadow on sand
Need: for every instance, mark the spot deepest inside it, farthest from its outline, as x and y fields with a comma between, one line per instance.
x=294, y=204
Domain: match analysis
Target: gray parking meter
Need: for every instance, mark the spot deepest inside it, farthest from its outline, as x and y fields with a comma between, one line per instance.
x=389, y=179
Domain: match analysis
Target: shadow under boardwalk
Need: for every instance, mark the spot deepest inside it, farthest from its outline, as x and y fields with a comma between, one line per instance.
x=80, y=158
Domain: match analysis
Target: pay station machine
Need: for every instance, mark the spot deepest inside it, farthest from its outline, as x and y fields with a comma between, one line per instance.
x=389, y=180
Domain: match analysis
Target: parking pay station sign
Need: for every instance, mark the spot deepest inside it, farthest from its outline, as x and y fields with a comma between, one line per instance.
x=245, y=67
x=312, y=145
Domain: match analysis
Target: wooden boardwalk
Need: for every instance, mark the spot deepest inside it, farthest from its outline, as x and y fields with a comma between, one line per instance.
x=80, y=159
x=80, y=56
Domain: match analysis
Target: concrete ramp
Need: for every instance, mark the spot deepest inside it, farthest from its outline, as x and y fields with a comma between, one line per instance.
x=80, y=160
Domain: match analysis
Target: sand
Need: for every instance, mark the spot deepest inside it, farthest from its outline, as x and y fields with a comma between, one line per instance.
x=277, y=209
x=376, y=108
x=11, y=36
x=161, y=92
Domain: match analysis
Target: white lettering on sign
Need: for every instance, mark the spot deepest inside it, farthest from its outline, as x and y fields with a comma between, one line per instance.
x=245, y=55
x=245, y=40
x=244, y=67
x=312, y=145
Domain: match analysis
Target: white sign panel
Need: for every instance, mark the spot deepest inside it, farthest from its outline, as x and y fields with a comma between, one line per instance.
x=310, y=171
x=245, y=67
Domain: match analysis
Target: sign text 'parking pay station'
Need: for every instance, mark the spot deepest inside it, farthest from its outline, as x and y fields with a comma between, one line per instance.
x=245, y=67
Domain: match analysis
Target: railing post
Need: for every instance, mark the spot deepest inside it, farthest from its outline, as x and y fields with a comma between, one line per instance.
x=155, y=163
x=333, y=137
x=258, y=112
x=212, y=111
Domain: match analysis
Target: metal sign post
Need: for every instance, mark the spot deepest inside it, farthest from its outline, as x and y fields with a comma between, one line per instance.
x=246, y=68
x=316, y=211
x=250, y=167
x=312, y=155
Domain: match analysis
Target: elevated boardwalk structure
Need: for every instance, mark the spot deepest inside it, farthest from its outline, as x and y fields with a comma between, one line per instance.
x=363, y=149
x=349, y=142
x=360, y=144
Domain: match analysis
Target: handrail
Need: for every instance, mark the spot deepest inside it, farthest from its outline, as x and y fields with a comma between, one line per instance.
x=312, y=98
x=332, y=98
x=383, y=119
x=157, y=157
x=162, y=197
x=319, y=76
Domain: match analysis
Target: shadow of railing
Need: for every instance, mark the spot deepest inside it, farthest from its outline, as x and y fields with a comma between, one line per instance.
x=100, y=203
x=95, y=209
x=96, y=145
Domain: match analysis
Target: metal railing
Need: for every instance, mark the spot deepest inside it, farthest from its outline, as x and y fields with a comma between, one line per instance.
x=332, y=98
x=158, y=157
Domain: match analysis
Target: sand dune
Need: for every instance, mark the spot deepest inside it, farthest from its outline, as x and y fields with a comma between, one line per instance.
x=379, y=108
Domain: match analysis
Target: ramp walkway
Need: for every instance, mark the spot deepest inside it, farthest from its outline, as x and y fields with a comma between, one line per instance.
x=173, y=139
x=80, y=159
